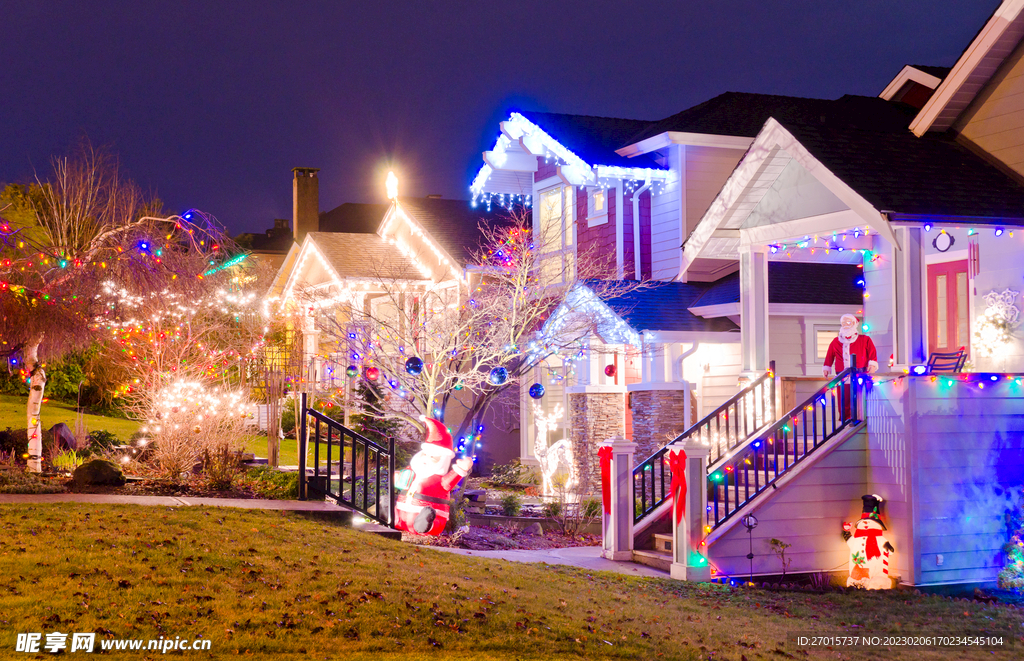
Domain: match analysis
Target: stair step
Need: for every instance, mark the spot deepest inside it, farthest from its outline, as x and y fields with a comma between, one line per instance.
x=656, y=559
x=663, y=543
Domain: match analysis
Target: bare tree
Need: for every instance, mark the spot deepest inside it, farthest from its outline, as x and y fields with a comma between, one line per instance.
x=449, y=348
x=90, y=229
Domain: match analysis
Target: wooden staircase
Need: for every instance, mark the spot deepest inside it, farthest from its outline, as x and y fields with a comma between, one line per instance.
x=743, y=470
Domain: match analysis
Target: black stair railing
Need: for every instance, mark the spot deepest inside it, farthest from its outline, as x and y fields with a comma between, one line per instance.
x=724, y=429
x=352, y=470
x=782, y=446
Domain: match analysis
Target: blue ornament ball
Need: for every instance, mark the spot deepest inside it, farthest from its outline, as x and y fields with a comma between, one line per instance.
x=414, y=365
x=499, y=375
x=536, y=391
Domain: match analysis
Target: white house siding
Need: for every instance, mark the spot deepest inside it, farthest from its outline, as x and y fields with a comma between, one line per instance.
x=707, y=169
x=888, y=474
x=807, y=513
x=787, y=345
x=969, y=460
x=995, y=120
x=948, y=471
x=666, y=221
x=720, y=381
x=878, y=286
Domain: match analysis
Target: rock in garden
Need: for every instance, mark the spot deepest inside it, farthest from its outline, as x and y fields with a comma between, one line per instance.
x=62, y=437
x=98, y=471
x=476, y=495
x=533, y=529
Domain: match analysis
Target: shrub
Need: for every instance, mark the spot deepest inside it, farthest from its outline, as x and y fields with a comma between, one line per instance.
x=1012, y=574
x=12, y=441
x=511, y=504
x=512, y=474
x=271, y=483
x=456, y=513
x=221, y=466
x=553, y=509
x=102, y=440
x=18, y=481
x=186, y=419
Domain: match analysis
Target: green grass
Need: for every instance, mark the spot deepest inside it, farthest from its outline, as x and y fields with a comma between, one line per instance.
x=12, y=414
x=271, y=585
x=288, y=454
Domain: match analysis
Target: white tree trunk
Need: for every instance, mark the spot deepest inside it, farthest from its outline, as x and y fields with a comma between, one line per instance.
x=37, y=383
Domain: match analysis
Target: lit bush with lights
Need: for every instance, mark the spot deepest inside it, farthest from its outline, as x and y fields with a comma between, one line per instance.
x=187, y=421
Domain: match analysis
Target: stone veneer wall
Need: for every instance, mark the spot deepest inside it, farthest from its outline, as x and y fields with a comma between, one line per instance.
x=593, y=419
x=658, y=417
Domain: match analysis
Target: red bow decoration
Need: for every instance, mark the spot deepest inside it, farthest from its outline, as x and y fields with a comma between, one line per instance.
x=677, y=464
x=871, y=543
x=605, y=454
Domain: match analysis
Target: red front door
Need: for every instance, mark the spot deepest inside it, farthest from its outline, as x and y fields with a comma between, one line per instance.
x=948, y=321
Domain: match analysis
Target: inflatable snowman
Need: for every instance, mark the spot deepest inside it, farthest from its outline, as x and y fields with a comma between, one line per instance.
x=869, y=548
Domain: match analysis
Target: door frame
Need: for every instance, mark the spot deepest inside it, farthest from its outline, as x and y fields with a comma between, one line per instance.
x=950, y=259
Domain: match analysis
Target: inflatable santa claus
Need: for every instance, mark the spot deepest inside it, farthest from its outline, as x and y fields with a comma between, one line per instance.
x=850, y=343
x=423, y=488
x=869, y=549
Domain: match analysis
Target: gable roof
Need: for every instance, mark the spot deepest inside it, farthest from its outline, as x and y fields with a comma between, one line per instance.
x=454, y=224
x=995, y=41
x=834, y=284
x=354, y=255
x=895, y=171
x=594, y=139
x=662, y=306
x=938, y=72
x=744, y=114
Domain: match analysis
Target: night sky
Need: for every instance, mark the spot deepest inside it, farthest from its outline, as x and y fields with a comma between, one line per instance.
x=210, y=104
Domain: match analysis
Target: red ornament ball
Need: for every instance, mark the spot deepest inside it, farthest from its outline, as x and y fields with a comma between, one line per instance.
x=610, y=370
x=371, y=373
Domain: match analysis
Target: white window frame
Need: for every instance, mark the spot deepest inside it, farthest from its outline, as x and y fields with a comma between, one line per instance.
x=812, y=344
x=594, y=217
x=568, y=227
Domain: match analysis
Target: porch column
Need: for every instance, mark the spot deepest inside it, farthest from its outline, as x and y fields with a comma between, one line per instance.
x=754, y=308
x=617, y=525
x=909, y=328
x=689, y=557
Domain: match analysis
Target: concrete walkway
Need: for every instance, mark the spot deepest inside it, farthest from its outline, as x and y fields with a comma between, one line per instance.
x=587, y=557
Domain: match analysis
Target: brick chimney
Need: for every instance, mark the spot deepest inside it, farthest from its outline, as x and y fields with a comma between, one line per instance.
x=305, y=202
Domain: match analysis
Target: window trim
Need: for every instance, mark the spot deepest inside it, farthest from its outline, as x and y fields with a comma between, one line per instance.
x=815, y=329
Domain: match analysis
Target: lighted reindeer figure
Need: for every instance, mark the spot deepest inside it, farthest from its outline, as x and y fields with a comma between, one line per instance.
x=551, y=458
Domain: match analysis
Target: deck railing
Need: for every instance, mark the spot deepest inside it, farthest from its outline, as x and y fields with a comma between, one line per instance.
x=352, y=470
x=725, y=428
x=757, y=466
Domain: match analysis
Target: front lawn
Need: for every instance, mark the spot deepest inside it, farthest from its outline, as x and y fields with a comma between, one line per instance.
x=13, y=415
x=268, y=585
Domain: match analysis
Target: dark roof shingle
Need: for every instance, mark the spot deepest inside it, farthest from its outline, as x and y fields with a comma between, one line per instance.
x=455, y=224
x=353, y=218
x=355, y=255
x=899, y=172
x=744, y=114
x=594, y=139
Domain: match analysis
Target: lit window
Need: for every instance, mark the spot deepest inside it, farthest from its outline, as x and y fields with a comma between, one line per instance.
x=597, y=203
x=555, y=235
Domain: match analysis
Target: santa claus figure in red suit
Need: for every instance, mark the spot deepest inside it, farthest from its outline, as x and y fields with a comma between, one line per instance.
x=423, y=488
x=850, y=343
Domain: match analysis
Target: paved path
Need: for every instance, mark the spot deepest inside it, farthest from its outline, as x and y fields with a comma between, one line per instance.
x=587, y=557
